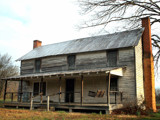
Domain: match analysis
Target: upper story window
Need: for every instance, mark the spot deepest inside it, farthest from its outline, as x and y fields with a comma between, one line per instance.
x=112, y=58
x=37, y=65
x=71, y=62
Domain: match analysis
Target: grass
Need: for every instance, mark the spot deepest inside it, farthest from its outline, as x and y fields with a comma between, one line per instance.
x=157, y=104
x=21, y=114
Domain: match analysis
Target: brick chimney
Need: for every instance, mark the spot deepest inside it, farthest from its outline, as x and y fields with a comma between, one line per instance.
x=148, y=66
x=36, y=43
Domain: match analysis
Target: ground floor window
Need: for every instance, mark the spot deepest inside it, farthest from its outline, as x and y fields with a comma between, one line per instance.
x=37, y=88
x=114, y=84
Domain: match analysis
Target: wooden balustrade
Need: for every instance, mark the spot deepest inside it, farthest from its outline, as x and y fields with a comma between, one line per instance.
x=31, y=97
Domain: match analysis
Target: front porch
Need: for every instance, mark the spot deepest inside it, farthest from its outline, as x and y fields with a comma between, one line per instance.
x=16, y=102
x=91, y=91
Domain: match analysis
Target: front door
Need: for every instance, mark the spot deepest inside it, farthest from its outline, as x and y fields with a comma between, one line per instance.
x=69, y=90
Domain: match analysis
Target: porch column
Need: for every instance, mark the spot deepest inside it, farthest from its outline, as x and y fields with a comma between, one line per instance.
x=41, y=90
x=5, y=90
x=81, y=89
x=109, y=81
x=21, y=90
x=60, y=89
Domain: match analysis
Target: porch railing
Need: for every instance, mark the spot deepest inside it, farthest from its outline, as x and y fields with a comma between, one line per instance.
x=116, y=97
x=18, y=96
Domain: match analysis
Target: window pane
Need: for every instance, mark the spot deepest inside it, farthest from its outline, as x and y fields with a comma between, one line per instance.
x=112, y=58
x=113, y=84
x=36, y=89
x=71, y=61
x=37, y=65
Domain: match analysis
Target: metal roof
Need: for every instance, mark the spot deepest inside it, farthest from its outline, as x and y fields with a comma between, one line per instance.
x=63, y=73
x=96, y=43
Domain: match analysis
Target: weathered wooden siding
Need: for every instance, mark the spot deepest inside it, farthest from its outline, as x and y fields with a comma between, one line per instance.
x=27, y=67
x=126, y=57
x=90, y=84
x=91, y=60
x=139, y=71
x=52, y=64
x=59, y=63
x=127, y=82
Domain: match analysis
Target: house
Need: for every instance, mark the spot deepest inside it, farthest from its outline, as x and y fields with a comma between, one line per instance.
x=94, y=73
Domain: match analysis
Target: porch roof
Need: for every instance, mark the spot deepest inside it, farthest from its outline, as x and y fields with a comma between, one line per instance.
x=118, y=71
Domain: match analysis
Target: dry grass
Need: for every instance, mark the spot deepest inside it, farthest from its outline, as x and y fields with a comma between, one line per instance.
x=19, y=114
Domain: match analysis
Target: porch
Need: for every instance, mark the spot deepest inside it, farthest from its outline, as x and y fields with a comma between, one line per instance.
x=14, y=100
x=103, y=99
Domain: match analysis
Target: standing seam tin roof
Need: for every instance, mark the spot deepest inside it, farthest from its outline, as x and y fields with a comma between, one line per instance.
x=96, y=43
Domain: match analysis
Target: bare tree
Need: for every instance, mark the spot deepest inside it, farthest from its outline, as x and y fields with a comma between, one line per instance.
x=130, y=12
x=7, y=69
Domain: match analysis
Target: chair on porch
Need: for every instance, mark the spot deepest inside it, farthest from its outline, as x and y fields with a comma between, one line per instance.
x=99, y=93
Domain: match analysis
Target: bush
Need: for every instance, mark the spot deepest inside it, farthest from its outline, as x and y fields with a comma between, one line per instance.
x=132, y=108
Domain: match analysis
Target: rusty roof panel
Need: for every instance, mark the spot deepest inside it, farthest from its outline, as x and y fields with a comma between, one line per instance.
x=96, y=43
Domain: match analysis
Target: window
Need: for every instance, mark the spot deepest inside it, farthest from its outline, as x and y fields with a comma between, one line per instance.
x=37, y=65
x=71, y=62
x=113, y=84
x=37, y=88
x=44, y=88
x=112, y=58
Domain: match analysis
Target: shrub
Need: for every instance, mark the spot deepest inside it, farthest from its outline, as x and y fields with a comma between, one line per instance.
x=132, y=108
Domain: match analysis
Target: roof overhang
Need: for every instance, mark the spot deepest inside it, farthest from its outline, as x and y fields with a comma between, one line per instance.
x=116, y=71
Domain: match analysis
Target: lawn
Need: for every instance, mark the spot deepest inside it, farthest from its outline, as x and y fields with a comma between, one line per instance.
x=20, y=114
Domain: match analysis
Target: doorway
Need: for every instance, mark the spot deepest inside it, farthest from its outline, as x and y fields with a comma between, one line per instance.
x=69, y=90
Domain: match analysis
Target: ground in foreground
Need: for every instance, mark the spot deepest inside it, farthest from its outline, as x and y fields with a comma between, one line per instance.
x=20, y=114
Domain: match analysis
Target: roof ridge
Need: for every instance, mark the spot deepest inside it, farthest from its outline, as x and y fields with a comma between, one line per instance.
x=90, y=37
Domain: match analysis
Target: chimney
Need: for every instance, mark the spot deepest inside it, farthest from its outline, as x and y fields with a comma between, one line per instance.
x=36, y=43
x=148, y=66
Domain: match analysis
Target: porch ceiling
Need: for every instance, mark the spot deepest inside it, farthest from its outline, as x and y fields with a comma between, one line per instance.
x=117, y=71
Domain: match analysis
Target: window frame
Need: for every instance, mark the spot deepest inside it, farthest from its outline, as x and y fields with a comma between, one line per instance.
x=117, y=87
x=37, y=71
x=71, y=67
x=39, y=90
x=108, y=65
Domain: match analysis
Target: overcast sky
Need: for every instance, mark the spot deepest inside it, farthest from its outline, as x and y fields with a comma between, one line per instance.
x=22, y=21
x=51, y=21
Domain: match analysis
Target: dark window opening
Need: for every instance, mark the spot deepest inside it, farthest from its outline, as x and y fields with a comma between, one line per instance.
x=37, y=65
x=43, y=88
x=69, y=90
x=114, y=84
x=71, y=62
x=37, y=88
x=112, y=58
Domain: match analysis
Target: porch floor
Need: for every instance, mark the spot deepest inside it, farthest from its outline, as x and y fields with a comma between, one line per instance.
x=61, y=106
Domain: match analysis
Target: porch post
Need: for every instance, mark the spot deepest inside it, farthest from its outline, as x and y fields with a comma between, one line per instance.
x=81, y=89
x=60, y=89
x=21, y=90
x=109, y=81
x=41, y=90
x=5, y=90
